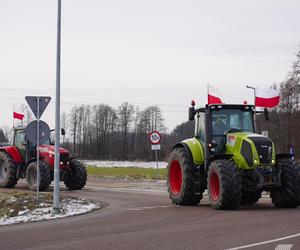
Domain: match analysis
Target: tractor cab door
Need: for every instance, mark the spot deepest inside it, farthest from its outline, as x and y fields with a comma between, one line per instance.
x=200, y=127
x=20, y=142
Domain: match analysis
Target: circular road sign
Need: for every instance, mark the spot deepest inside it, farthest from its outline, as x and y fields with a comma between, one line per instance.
x=31, y=132
x=155, y=137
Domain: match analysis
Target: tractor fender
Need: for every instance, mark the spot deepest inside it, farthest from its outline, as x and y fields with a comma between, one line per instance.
x=14, y=153
x=220, y=157
x=194, y=148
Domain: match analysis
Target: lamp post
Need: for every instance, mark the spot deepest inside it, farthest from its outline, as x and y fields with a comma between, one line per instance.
x=56, y=205
x=254, y=90
x=254, y=116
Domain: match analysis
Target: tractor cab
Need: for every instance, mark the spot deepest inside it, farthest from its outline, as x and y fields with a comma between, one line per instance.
x=216, y=121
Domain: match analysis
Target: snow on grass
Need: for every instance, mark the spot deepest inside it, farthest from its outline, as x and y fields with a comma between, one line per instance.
x=140, y=164
x=70, y=207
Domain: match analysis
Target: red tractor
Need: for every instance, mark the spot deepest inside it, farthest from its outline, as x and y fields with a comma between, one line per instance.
x=19, y=161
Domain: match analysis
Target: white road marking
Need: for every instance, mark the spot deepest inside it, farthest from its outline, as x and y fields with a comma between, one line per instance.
x=265, y=242
x=147, y=208
x=284, y=247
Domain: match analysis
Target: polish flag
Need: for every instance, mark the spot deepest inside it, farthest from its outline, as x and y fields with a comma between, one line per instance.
x=266, y=97
x=18, y=116
x=214, y=95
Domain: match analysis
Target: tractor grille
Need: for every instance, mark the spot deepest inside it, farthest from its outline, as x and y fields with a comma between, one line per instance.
x=262, y=145
x=246, y=152
x=64, y=158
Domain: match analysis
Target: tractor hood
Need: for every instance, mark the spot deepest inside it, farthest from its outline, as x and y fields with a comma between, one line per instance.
x=49, y=149
x=250, y=150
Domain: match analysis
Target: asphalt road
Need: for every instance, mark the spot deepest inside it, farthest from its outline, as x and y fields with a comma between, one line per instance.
x=148, y=220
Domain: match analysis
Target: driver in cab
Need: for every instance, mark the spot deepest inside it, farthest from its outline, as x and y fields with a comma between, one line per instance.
x=219, y=126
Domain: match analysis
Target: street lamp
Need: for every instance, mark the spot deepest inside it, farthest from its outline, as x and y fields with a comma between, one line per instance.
x=254, y=90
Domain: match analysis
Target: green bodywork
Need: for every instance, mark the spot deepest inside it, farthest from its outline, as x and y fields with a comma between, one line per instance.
x=234, y=144
x=233, y=147
x=197, y=149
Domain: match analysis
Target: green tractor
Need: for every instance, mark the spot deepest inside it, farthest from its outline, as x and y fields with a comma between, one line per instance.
x=229, y=159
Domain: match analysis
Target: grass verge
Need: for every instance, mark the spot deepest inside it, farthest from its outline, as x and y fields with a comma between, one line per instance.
x=128, y=173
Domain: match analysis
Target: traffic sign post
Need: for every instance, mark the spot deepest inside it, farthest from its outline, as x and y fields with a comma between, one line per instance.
x=38, y=105
x=155, y=138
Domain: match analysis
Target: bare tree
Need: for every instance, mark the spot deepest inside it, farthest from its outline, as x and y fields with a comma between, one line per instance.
x=125, y=113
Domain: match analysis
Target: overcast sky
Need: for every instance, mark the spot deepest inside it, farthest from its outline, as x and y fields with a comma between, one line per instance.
x=146, y=52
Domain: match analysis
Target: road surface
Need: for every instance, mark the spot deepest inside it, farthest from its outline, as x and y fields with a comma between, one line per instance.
x=146, y=219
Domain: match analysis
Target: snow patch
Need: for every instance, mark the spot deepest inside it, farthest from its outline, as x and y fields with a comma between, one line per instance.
x=70, y=207
x=124, y=164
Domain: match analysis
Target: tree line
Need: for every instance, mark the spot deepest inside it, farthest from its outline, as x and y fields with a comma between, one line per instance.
x=103, y=132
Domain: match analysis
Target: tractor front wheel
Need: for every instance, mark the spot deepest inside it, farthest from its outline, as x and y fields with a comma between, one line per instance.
x=224, y=184
x=8, y=171
x=288, y=195
x=75, y=178
x=181, y=179
x=31, y=176
x=251, y=191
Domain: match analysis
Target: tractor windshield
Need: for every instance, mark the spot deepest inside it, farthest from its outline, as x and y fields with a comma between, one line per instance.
x=229, y=120
x=237, y=120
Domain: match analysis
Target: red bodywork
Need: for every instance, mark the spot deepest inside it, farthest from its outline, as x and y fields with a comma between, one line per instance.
x=14, y=153
x=46, y=154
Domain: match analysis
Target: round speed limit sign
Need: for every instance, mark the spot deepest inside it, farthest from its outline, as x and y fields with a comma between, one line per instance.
x=154, y=137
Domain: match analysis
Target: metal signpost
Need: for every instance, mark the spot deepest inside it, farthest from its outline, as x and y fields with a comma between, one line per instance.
x=56, y=206
x=37, y=130
x=155, y=138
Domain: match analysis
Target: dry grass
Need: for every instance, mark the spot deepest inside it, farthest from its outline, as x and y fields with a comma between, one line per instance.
x=14, y=201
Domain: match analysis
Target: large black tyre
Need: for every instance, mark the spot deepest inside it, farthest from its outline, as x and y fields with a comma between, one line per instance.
x=288, y=195
x=181, y=178
x=224, y=184
x=251, y=192
x=31, y=176
x=75, y=178
x=8, y=171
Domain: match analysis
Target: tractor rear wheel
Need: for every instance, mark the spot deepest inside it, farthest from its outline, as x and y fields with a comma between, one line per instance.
x=8, y=171
x=251, y=192
x=181, y=179
x=224, y=184
x=288, y=195
x=31, y=176
x=75, y=178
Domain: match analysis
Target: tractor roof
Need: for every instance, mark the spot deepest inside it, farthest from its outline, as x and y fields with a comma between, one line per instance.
x=19, y=128
x=219, y=106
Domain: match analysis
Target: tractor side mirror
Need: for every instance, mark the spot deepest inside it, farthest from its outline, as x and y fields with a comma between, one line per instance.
x=266, y=113
x=63, y=131
x=192, y=114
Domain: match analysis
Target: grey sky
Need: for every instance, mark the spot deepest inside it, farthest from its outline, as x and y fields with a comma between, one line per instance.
x=145, y=52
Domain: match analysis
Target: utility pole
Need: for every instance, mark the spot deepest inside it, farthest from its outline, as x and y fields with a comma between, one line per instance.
x=56, y=205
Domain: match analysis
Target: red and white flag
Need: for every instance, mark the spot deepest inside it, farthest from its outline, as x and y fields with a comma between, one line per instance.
x=266, y=97
x=18, y=116
x=214, y=95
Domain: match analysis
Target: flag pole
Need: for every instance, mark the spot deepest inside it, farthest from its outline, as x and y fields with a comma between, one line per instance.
x=13, y=116
x=207, y=88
